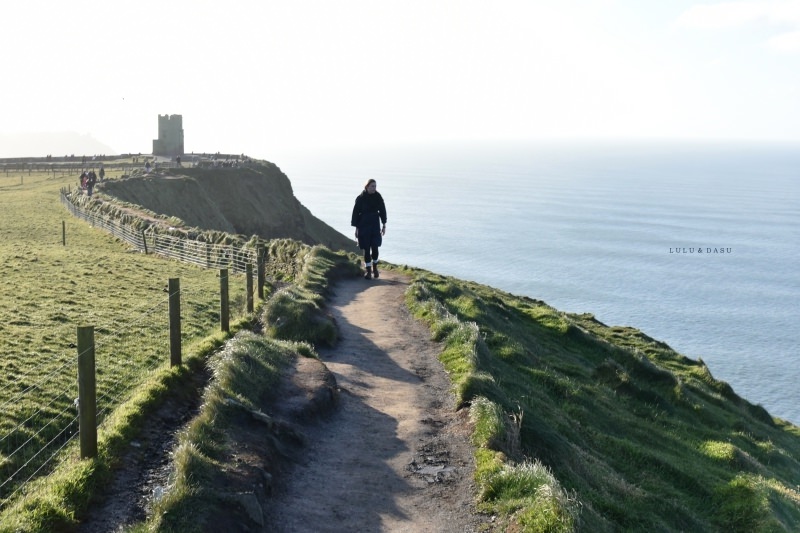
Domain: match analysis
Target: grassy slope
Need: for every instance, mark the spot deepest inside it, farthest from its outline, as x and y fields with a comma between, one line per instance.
x=247, y=201
x=50, y=289
x=637, y=436
x=245, y=373
x=96, y=280
x=579, y=426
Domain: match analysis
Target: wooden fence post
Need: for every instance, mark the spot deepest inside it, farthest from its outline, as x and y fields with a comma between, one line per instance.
x=224, y=310
x=175, y=358
x=64, y=232
x=249, y=275
x=87, y=393
x=260, y=257
x=144, y=242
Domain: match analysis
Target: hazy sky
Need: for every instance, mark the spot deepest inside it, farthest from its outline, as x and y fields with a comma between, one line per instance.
x=263, y=77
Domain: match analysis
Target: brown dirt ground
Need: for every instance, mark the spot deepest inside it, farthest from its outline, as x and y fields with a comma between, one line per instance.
x=366, y=439
x=394, y=455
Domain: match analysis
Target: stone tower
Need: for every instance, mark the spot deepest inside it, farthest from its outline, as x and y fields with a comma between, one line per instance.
x=170, y=136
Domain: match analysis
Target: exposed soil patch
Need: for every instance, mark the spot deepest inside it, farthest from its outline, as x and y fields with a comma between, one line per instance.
x=366, y=440
x=143, y=472
x=394, y=456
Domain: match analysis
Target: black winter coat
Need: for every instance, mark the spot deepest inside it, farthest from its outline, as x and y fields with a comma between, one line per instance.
x=369, y=211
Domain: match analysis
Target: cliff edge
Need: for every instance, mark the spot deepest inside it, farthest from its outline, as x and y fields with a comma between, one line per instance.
x=253, y=200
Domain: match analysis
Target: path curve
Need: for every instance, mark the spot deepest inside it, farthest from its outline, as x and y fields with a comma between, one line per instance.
x=394, y=455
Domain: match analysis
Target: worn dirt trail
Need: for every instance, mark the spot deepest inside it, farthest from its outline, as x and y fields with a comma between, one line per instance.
x=394, y=455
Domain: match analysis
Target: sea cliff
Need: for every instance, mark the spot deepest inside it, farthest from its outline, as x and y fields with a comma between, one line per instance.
x=254, y=200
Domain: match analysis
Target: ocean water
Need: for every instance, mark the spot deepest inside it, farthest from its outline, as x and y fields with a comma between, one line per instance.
x=696, y=245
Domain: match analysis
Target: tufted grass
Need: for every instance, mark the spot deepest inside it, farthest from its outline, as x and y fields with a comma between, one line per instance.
x=50, y=289
x=584, y=427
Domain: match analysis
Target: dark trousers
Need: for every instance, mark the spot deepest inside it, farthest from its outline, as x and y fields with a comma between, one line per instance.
x=370, y=255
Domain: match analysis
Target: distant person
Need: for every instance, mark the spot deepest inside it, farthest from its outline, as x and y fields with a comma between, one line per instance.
x=368, y=214
x=91, y=182
x=147, y=167
x=102, y=173
x=84, y=179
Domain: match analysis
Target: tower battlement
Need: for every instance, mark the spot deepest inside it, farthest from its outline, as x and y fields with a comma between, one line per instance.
x=170, y=136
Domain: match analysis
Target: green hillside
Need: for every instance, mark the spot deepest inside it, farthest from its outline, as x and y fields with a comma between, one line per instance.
x=636, y=436
x=579, y=426
x=630, y=435
x=255, y=200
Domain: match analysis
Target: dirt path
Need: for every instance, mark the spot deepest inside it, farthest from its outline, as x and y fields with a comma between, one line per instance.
x=394, y=456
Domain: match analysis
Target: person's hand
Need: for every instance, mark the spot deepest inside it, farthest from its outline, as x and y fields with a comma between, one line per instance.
x=356, y=233
x=383, y=230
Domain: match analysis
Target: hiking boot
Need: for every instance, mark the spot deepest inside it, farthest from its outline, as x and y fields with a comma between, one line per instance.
x=375, y=271
x=368, y=273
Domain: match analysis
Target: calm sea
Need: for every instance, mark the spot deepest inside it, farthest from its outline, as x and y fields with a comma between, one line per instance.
x=696, y=245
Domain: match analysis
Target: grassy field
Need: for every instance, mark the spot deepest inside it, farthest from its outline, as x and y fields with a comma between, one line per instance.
x=246, y=370
x=49, y=289
x=586, y=427
x=578, y=426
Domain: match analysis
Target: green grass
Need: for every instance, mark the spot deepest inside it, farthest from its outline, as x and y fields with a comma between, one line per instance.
x=295, y=311
x=619, y=432
x=93, y=279
x=245, y=374
x=248, y=366
x=578, y=426
x=51, y=289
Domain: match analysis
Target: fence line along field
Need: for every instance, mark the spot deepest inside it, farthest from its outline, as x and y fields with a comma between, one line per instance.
x=53, y=286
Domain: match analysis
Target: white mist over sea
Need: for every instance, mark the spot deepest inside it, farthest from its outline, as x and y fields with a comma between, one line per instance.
x=697, y=245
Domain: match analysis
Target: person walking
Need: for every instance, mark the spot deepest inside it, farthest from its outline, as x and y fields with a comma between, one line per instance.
x=91, y=182
x=369, y=212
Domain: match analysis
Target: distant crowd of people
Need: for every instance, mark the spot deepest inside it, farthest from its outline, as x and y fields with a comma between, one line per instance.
x=71, y=157
x=89, y=179
x=227, y=163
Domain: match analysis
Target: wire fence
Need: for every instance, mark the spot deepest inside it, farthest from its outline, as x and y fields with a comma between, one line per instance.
x=45, y=421
x=199, y=253
x=42, y=410
x=42, y=416
x=72, y=167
